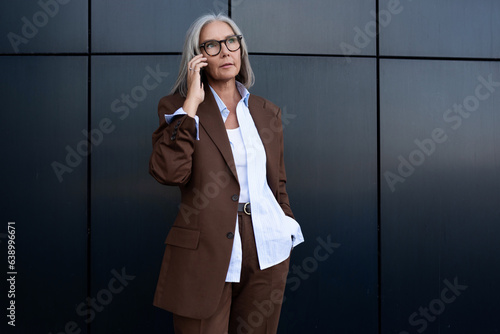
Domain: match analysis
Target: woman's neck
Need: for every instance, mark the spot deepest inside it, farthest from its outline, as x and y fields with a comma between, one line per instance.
x=226, y=90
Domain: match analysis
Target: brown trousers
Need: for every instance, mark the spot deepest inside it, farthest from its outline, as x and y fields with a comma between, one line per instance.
x=252, y=306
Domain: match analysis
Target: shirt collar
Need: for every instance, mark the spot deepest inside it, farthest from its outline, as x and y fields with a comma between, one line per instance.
x=243, y=92
x=222, y=107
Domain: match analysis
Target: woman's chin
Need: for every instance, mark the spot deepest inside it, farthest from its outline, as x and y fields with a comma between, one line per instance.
x=223, y=79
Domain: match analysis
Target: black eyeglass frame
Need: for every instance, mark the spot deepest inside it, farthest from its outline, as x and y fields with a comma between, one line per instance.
x=239, y=37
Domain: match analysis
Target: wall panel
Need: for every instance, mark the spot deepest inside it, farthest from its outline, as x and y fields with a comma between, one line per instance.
x=307, y=27
x=44, y=106
x=446, y=28
x=43, y=26
x=329, y=119
x=146, y=26
x=440, y=181
x=131, y=212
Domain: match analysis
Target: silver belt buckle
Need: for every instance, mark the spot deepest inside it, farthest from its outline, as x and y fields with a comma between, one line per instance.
x=245, y=208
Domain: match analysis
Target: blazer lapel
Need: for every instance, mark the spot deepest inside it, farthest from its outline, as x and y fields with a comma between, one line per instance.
x=211, y=121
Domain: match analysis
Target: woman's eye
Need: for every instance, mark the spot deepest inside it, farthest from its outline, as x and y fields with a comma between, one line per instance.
x=211, y=45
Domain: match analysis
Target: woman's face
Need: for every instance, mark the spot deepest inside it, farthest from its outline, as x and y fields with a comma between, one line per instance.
x=226, y=65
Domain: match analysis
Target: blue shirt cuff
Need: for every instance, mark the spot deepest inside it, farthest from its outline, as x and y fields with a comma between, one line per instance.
x=179, y=112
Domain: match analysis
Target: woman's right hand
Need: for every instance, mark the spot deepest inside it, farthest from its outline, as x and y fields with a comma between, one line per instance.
x=196, y=93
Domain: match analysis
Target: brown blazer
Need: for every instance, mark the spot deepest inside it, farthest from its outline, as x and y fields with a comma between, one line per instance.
x=199, y=244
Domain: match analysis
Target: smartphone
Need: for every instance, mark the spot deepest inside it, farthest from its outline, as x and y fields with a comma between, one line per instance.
x=202, y=77
x=202, y=74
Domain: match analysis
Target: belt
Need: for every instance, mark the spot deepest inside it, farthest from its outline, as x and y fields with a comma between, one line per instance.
x=244, y=207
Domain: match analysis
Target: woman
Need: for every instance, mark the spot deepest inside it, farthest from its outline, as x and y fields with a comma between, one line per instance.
x=227, y=253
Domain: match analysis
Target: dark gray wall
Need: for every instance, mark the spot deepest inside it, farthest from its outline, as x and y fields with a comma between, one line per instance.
x=392, y=154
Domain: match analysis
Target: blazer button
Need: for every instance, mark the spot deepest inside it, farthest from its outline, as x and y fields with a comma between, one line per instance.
x=235, y=197
x=230, y=235
x=172, y=138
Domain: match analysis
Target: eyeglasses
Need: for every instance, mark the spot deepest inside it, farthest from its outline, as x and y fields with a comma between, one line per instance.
x=213, y=47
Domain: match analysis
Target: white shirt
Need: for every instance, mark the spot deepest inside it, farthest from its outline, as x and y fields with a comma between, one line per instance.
x=275, y=233
x=240, y=160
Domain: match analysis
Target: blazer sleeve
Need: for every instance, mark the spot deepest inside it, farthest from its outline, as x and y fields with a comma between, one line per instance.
x=283, y=199
x=173, y=145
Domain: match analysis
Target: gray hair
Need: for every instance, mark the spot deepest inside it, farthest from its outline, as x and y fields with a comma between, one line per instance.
x=192, y=48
